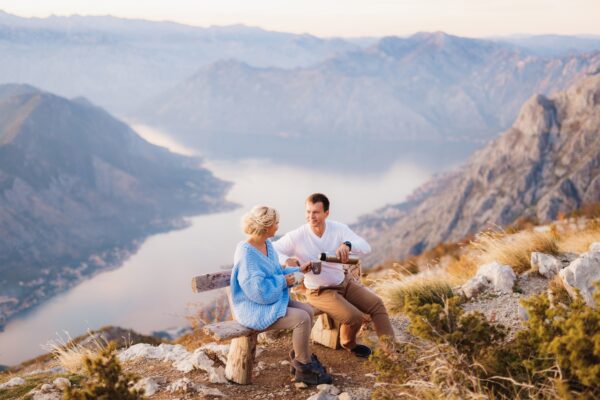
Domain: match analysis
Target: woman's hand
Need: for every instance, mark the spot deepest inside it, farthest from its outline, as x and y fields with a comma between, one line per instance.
x=304, y=268
x=290, y=280
x=292, y=262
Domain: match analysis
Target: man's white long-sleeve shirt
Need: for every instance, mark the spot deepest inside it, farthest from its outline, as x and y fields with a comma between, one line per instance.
x=304, y=244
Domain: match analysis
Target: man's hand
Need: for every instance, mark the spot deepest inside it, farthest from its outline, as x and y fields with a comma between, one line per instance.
x=290, y=280
x=342, y=252
x=292, y=262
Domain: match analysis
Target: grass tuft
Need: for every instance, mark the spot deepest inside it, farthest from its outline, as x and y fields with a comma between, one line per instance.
x=71, y=354
x=430, y=287
x=514, y=250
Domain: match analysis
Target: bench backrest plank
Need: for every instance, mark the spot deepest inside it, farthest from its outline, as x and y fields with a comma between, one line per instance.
x=217, y=280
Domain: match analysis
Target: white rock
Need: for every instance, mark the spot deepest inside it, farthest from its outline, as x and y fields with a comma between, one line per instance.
x=344, y=396
x=300, y=385
x=328, y=388
x=220, y=350
x=546, y=264
x=594, y=247
x=47, y=387
x=266, y=337
x=62, y=383
x=206, y=391
x=181, y=359
x=180, y=385
x=260, y=366
x=150, y=386
x=284, y=362
x=164, y=352
x=501, y=276
x=581, y=274
x=322, y=396
x=52, y=395
x=474, y=286
x=16, y=381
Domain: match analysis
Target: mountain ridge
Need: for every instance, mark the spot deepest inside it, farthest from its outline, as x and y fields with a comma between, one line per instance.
x=414, y=94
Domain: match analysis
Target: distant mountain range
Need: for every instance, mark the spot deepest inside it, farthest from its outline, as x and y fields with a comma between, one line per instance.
x=79, y=189
x=554, y=45
x=254, y=87
x=430, y=87
x=548, y=162
x=120, y=63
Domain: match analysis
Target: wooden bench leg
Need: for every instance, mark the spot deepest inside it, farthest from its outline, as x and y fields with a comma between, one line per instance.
x=326, y=331
x=240, y=360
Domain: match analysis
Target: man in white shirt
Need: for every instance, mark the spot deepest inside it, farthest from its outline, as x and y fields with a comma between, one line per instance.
x=332, y=291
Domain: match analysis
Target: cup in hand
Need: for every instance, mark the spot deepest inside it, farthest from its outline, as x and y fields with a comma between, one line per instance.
x=315, y=266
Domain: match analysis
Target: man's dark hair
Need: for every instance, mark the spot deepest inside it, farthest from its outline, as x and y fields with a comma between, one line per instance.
x=319, y=198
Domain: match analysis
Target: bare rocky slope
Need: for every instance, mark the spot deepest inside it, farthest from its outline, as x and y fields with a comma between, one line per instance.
x=548, y=162
x=78, y=189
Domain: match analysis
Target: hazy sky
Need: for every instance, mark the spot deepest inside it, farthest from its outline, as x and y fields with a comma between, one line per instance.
x=345, y=17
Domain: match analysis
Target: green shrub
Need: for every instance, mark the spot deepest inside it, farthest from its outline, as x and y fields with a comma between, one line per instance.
x=567, y=335
x=469, y=332
x=105, y=379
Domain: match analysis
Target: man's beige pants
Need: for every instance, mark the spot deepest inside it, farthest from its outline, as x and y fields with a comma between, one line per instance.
x=348, y=303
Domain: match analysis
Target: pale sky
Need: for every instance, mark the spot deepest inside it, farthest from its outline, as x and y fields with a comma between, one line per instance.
x=476, y=18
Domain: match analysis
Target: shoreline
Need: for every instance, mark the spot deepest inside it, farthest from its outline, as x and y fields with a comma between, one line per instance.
x=43, y=290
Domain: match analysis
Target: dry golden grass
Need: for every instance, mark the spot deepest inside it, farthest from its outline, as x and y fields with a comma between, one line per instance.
x=428, y=286
x=70, y=354
x=514, y=250
x=462, y=268
x=578, y=241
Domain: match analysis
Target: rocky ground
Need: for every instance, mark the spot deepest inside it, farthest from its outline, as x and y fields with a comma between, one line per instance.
x=504, y=308
x=176, y=373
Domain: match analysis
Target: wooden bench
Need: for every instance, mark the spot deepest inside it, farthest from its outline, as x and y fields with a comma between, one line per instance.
x=242, y=350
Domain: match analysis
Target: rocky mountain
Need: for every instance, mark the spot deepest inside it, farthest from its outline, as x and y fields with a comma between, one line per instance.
x=554, y=45
x=429, y=87
x=548, y=162
x=119, y=63
x=79, y=190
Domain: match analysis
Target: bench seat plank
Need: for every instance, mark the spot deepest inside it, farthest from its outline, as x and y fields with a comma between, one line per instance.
x=227, y=330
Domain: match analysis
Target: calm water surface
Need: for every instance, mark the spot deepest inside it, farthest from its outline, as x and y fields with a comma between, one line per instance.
x=151, y=291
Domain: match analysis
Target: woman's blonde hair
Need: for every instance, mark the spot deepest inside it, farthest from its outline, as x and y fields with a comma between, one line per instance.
x=259, y=219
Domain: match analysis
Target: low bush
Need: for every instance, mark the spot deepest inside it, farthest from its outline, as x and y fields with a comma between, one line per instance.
x=105, y=379
x=470, y=333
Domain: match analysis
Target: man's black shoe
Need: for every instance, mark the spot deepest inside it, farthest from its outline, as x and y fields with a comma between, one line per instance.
x=361, y=351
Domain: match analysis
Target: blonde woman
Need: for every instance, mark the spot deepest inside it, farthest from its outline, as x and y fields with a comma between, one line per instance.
x=260, y=293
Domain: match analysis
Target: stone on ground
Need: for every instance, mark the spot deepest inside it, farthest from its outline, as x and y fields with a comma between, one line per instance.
x=546, y=264
x=501, y=276
x=581, y=274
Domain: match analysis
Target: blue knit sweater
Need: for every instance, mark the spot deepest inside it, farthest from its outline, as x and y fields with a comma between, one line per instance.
x=259, y=292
